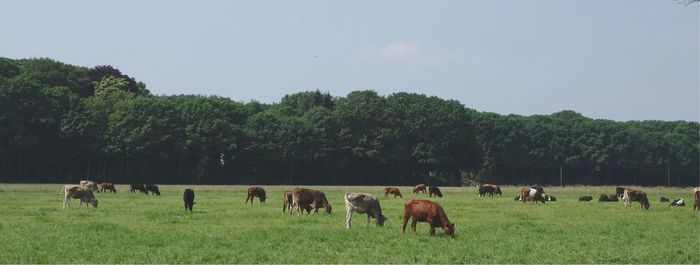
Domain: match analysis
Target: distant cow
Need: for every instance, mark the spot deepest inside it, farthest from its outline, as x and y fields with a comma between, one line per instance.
x=287, y=201
x=585, y=198
x=490, y=189
x=549, y=198
x=392, y=190
x=696, y=195
x=619, y=192
x=256, y=192
x=427, y=211
x=137, y=187
x=434, y=190
x=104, y=187
x=677, y=202
x=607, y=198
x=188, y=198
x=532, y=193
x=153, y=189
x=664, y=199
x=363, y=203
x=306, y=198
x=631, y=195
x=78, y=192
x=90, y=184
x=419, y=187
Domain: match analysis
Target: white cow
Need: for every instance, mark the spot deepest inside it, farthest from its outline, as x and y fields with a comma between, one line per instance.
x=78, y=192
x=90, y=184
x=363, y=203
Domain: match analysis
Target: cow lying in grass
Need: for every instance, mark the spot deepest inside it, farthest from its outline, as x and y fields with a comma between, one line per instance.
x=607, y=198
x=78, y=192
x=363, y=203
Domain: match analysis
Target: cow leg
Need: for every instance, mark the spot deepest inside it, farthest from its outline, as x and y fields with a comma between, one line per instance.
x=348, y=219
x=246, y=199
x=432, y=230
x=405, y=221
x=413, y=225
x=368, y=220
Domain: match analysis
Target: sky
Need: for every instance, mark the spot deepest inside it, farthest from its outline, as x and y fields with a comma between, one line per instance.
x=619, y=60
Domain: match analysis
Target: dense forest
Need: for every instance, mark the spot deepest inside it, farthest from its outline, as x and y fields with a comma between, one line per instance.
x=60, y=123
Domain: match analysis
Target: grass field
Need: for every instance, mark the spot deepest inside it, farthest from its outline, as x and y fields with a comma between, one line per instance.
x=135, y=228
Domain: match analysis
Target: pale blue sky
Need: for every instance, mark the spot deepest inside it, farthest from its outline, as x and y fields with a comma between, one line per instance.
x=621, y=60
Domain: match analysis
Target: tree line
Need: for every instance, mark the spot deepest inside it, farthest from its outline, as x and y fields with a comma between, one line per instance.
x=62, y=123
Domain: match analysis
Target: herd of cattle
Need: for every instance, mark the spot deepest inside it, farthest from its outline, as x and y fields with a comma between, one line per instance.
x=301, y=199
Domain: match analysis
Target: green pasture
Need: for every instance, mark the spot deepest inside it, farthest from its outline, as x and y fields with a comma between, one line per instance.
x=135, y=228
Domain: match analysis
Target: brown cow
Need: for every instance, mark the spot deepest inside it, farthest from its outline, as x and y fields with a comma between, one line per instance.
x=532, y=193
x=420, y=187
x=256, y=192
x=104, y=187
x=306, y=198
x=427, y=211
x=696, y=195
x=78, y=192
x=392, y=190
x=287, y=201
x=631, y=195
x=490, y=189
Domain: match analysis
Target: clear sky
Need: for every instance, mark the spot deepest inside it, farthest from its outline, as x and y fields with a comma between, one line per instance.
x=621, y=60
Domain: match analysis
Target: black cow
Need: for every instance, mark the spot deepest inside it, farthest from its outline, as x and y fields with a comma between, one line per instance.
x=518, y=198
x=550, y=198
x=137, y=187
x=664, y=199
x=619, y=192
x=483, y=190
x=153, y=189
x=188, y=198
x=608, y=198
x=586, y=198
x=434, y=190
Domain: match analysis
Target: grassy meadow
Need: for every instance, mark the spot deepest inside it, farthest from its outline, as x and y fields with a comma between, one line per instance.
x=135, y=228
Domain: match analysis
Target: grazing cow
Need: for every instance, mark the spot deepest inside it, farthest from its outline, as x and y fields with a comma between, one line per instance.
x=677, y=202
x=419, y=187
x=619, y=192
x=427, y=211
x=188, y=198
x=484, y=189
x=153, y=189
x=256, y=192
x=287, y=201
x=549, y=198
x=90, y=184
x=363, y=203
x=434, y=190
x=392, y=190
x=78, y=192
x=585, y=198
x=696, y=195
x=306, y=198
x=631, y=195
x=137, y=187
x=534, y=193
x=664, y=199
x=104, y=187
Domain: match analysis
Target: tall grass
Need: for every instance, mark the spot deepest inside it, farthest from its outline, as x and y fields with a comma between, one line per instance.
x=135, y=228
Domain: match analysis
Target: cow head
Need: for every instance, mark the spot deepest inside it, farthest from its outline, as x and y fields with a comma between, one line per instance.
x=450, y=230
x=328, y=208
x=644, y=201
x=263, y=198
x=381, y=219
x=93, y=202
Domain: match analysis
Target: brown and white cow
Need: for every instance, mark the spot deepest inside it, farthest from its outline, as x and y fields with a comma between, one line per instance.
x=90, y=184
x=256, y=192
x=631, y=195
x=392, y=190
x=78, y=192
x=420, y=187
x=532, y=193
x=696, y=195
x=489, y=188
x=363, y=203
x=427, y=211
x=307, y=198
x=104, y=187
